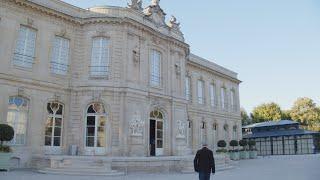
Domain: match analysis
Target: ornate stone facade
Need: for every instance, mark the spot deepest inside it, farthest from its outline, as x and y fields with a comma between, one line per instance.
x=120, y=76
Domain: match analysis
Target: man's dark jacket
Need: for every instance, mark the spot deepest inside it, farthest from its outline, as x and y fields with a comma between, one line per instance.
x=204, y=161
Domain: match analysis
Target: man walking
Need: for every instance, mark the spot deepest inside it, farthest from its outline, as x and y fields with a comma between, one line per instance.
x=204, y=163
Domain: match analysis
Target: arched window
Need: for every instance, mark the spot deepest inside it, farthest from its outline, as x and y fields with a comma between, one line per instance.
x=17, y=117
x=96, y=126
x=53, y=129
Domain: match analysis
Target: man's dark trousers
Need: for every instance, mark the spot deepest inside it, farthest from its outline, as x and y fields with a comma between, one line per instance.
x=204, y=175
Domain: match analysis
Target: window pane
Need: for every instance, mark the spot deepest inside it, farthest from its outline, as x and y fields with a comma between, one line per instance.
x=90, y=131
x=49, y=109
x=90, y=142
x=159, y=144
x=56, y=141
x=60, y=110
x=49, y=122
x=159, y=125
x=159, y=134
x=101, y=142
x=58, y=122
x=100, y=129
x=102, y=121
x=48, y=131
x=90, y=121
x=57, y=131
x=47, y=141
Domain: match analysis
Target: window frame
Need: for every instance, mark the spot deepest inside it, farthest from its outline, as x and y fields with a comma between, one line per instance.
x=54, y=116
x=155, y=77
x=23, y=63
x=200, y=97
x=56, y=61
x=188, y=93
x=212, y=93
x=93, y=64
x=223, y=98
x=14, y=124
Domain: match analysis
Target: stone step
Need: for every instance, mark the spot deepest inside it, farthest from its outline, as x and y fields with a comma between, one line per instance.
x=81, y=172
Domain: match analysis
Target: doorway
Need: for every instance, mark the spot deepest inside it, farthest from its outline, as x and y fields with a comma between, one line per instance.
x=156, y=134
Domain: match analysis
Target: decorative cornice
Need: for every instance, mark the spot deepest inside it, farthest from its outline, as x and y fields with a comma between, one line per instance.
x=199, y=66
x=92, y=20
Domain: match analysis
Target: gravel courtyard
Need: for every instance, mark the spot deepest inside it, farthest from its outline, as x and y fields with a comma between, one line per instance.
x=306, y=167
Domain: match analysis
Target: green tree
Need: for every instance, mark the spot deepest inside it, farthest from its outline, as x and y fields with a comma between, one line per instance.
x=286, y=115
x=305, y=112
x=244, y=117
x=266, y=112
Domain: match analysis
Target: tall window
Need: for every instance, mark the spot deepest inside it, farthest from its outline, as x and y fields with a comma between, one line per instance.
x=53, y=129
x=188, y=88
x=226, y=132
x=200, y=92
x=203, y=133
x=25, y=47
x=215, y=134
x=60, y=56
x=96, y=126
x=235, y=132
x=17, y=117
x=212, y=90
x=223, y=97
x=100, y=57
x=232, y=100
x=155, y=68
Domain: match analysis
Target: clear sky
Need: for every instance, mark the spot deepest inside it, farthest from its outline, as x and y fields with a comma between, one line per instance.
x=274, y=45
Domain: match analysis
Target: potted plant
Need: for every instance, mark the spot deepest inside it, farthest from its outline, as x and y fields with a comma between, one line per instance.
x=234, y=153
x=244, y=154
x=252, y=149
x=222, y=145
x=6, y=134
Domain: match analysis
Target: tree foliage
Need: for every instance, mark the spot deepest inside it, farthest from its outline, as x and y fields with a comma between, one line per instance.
x=305, y=112
x=244, y=117
x=266, y=112
x=6, y=133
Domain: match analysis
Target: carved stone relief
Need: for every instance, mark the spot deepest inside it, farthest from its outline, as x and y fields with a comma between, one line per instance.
x=136, y=55
x=136, y=125
x=181, y=129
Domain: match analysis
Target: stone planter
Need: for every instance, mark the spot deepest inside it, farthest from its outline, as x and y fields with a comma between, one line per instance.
x=5, y=161
x=253, y=154
x=244, y=155
x=234, y=156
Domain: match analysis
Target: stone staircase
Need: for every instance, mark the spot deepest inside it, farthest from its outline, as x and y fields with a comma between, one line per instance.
x=88, y=166
x=116, y=166
x=222, y=163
